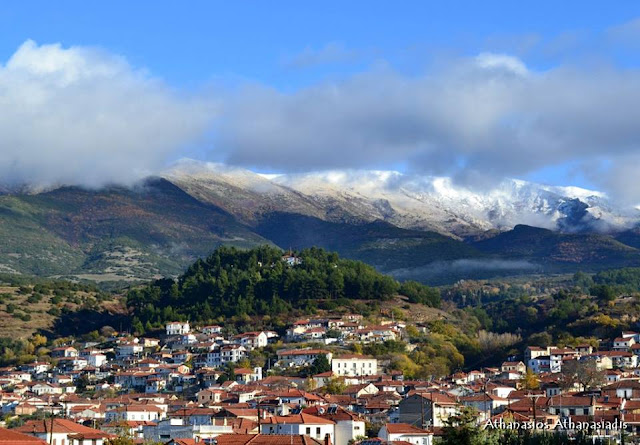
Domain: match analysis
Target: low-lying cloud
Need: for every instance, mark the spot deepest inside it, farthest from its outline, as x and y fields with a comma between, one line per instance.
x=83, y=116
x=464, y=267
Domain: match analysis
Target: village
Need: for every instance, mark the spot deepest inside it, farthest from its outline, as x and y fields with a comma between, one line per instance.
x=193, y=385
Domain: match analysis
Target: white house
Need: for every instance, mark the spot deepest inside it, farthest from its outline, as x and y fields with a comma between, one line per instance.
x=403, y=432
x=301, y=357
x=134, y=412
x=252, y=340
x=65, y=351
x=129, y=349
x=225, y=354
x=96, y=360
x=623, y=343
x=354, y=365
x=299, y=424
x=349, y=426
x=212, y=329
x=178, y=328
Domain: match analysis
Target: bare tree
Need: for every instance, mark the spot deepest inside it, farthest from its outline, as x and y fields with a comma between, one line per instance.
x=582, y=372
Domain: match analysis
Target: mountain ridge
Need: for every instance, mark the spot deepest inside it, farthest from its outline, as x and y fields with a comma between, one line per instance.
x=411, y=201
x=159, y=226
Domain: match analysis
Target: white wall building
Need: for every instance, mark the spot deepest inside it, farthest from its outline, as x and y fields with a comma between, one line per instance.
x=178, y=328
x=299, y=424
x=354, y=365
x=403, y=432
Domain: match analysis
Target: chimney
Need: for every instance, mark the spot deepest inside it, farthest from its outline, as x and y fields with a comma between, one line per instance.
x=327, y=439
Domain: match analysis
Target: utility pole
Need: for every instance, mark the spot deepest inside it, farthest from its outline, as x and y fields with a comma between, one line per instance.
x=51, y=424
x=486, y=405
x=534, y=398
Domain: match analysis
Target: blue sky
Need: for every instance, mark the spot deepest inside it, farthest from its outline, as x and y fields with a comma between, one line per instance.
x=188, y=43
x=288, y=53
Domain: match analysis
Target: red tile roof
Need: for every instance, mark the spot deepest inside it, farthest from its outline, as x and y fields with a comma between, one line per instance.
x=404, y=428
x=9, y=437
x=298, y=419
x=60, y=426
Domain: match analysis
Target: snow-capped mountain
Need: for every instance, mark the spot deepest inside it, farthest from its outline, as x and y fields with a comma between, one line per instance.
x=407, y=201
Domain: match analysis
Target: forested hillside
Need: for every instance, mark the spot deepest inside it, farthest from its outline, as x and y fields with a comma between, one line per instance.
x=233, y=282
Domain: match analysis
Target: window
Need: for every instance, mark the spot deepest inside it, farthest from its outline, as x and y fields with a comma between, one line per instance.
x=308, y=431
x=318, y=431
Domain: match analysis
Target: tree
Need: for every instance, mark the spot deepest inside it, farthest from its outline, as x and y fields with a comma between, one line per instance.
x=463, y=429
x=530, y=380
x=603, y=292
x=335, y=386
x=320, y=364
x=582, y=372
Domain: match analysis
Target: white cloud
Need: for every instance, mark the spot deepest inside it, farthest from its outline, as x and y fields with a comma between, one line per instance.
x=83, y=116
x=501, y=62
x=478, y=119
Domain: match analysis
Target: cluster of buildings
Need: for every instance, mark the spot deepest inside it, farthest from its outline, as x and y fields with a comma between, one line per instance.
x=345, y=330
x=621, y=352
x=177, y=390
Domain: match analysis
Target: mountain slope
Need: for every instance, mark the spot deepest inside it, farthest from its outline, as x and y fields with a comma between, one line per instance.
x=547, y=247
x=407, y=201
x=153, y=229
x=380, y=244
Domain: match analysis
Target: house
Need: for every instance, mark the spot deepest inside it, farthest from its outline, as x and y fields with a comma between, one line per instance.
x=291, y=259
x=571, y=405
x=518, y=367
x=96, y=360
x=300, y=424
x=244, y=375
x=209, y=396
x=485, y=402
x=602, y=362
x=349, y=426
x=66, y=351
x=154, y=385
x=301, y=357
x=584, y=349
x=314, y=334
x=432, y=407
x=534, y=351
x=625, y=389
x=354, y=365
x=225, y=354
x=134, y=412
x=36, y=367
x=129, y=349
x=631, y=334
x=211, y=330
x=357, y=391
x=177, y=328
x=252, y=340
x=403, y=432
x=63, y=432
x=621, y=359
x=623, y=343
x=540, y=364
x=375, y=333
x=613, y=376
